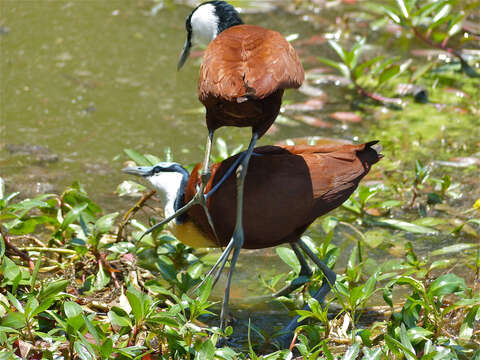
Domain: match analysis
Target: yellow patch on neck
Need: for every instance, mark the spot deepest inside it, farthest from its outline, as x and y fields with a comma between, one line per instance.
x=189, y=234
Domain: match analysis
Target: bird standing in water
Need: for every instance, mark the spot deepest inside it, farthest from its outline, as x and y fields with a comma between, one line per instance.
x=244, y=73
x=286, y=189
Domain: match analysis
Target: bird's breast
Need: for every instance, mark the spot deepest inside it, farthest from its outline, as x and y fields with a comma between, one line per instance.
x=189, y=234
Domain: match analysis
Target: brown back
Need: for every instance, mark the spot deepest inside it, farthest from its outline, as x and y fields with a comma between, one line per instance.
x=248, y=55
x=286, y=189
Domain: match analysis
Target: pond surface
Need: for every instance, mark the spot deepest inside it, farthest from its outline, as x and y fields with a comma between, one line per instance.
x=81, y=81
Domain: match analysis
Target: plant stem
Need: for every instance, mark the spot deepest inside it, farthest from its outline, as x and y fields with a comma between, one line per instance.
x=14, y=249
x=46, y=249
x=442, y=46
x=130, y=213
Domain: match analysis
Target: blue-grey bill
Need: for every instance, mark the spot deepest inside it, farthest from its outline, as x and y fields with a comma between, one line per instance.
x=138, y=170
x=184, y=55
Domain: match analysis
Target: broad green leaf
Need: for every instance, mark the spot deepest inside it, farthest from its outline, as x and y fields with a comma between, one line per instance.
x=205, y=290
x=460, y=247
x=72, y=309
x=407, y=344
x=119, y=317
x=417, y=334
x=82, y=351
x=105, y=223
x=446, y=284
x=14, y=320
x=207, y=351
x=137, y=157
x=409, y=227
x=73, y=215
x=136, y=301
x=468, y=325
x=102, y=278
x=52, y=289
x=15, y=303
x=398, y=348
x=388, y=73
x=288, y=256
x=107, y=348
x=9, y=269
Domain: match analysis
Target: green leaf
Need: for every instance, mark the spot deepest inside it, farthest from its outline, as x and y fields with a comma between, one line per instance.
x=330, y=63
x=15, y=320
x=452, y=249
x=82, y=351
x=446, y=284
x=205, y=290
x=53, y=288
x=107, y=348
x=137, y=157
x=207, y=351
x=73, y=215
x=407, y=344
x=389, y=73
x=136, y=301
x=468, y=325
x=403, y=8
x=417, y=334
x=101, y=279
x=397, y=347
x=72, y=309
x=105, y=223
x=288, y=256
x=442, y=13
x=352, y=352
x=339, y=50
x=10, y=270
x=15, y=303
x=406, y=226
x=119, y=317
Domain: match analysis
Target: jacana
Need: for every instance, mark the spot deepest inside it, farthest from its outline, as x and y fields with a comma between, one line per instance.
x=286, y=189
x=244, y=73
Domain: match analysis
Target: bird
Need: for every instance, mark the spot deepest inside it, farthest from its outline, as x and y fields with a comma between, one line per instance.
x=286, y=189
x=244, y=73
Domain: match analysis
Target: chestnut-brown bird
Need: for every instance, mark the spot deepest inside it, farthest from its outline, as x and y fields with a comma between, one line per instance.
x=244, y=73
x=286, y=189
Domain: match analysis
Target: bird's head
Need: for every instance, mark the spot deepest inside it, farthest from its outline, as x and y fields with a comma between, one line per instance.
x=205, y=22
x=166, y=177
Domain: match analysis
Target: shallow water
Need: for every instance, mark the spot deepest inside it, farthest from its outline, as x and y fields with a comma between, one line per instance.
x=81, y=81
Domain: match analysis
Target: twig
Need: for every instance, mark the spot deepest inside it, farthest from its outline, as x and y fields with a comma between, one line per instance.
x=443, y=46
x=55, y=250
x=14, y=249
x=130, y=213
x=31, y=238
x=377, y=97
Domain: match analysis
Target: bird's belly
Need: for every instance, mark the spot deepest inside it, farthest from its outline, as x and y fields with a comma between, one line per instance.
x=189, y=234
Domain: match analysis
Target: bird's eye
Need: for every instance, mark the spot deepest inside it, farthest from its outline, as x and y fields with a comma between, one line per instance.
x=157, y=169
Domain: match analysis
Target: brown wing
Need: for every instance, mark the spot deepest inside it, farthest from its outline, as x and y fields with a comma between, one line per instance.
x=285, y=190
x=248, y=60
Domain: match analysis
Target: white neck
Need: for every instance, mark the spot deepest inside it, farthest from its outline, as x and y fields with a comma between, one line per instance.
x=167, y=185
x=204, y=22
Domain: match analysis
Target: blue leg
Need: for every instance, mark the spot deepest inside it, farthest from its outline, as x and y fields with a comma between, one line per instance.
x=327, y=284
